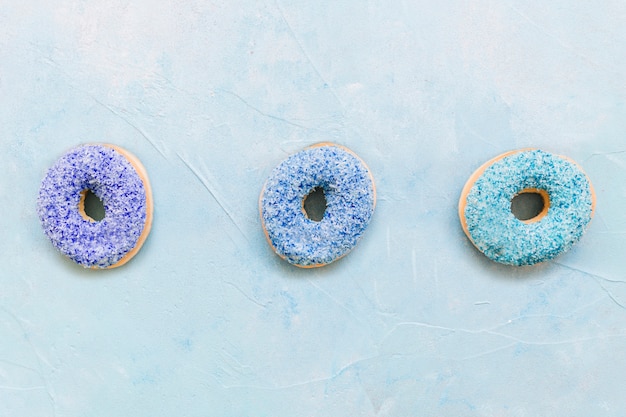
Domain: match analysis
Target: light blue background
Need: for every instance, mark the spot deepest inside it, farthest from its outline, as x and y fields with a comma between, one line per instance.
x=211, y=95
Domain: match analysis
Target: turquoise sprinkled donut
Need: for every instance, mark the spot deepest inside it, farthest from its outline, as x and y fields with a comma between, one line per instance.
x=487, y=219
x=119, y=180
x=350, y=199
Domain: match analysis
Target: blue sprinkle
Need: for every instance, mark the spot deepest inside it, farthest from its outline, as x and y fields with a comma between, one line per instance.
x=112, y=178
x=497, y=233
x=350, y=200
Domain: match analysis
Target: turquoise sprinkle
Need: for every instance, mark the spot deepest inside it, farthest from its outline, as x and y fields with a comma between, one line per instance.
x=496, y=232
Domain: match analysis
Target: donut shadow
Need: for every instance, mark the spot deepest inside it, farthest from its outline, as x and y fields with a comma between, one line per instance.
x=500, y=271
x=292, y=271
x=71, y=268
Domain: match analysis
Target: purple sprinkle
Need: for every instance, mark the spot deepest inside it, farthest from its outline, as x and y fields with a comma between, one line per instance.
x=109, y=176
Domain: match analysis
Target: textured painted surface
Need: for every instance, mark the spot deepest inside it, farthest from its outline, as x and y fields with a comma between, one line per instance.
x=350, y=200
x=503, y=238
x=111, y=177
x=211, y=96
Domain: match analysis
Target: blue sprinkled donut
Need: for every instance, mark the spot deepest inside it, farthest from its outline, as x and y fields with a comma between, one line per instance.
x=350, y=199
x=119, y=180
x=487, y=219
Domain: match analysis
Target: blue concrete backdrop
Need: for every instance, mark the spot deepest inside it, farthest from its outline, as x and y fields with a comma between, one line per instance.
x=211, y=95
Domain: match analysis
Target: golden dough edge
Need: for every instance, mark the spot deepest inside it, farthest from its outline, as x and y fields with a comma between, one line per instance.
x=143, y=174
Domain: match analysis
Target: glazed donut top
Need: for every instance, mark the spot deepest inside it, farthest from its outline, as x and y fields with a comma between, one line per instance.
x=486, y=215
x=106, y=172
x=350, y=200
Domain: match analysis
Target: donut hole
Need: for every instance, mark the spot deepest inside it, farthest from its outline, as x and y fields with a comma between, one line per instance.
x=90, y=206
x=314, y=204
x=530, y=205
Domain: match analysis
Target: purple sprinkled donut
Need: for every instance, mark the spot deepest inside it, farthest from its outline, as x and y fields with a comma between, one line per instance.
x=120, y=181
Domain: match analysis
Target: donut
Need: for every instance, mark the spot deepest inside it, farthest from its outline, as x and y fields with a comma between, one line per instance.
x=348, y=187
x=485, y=206
x=120, y=181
